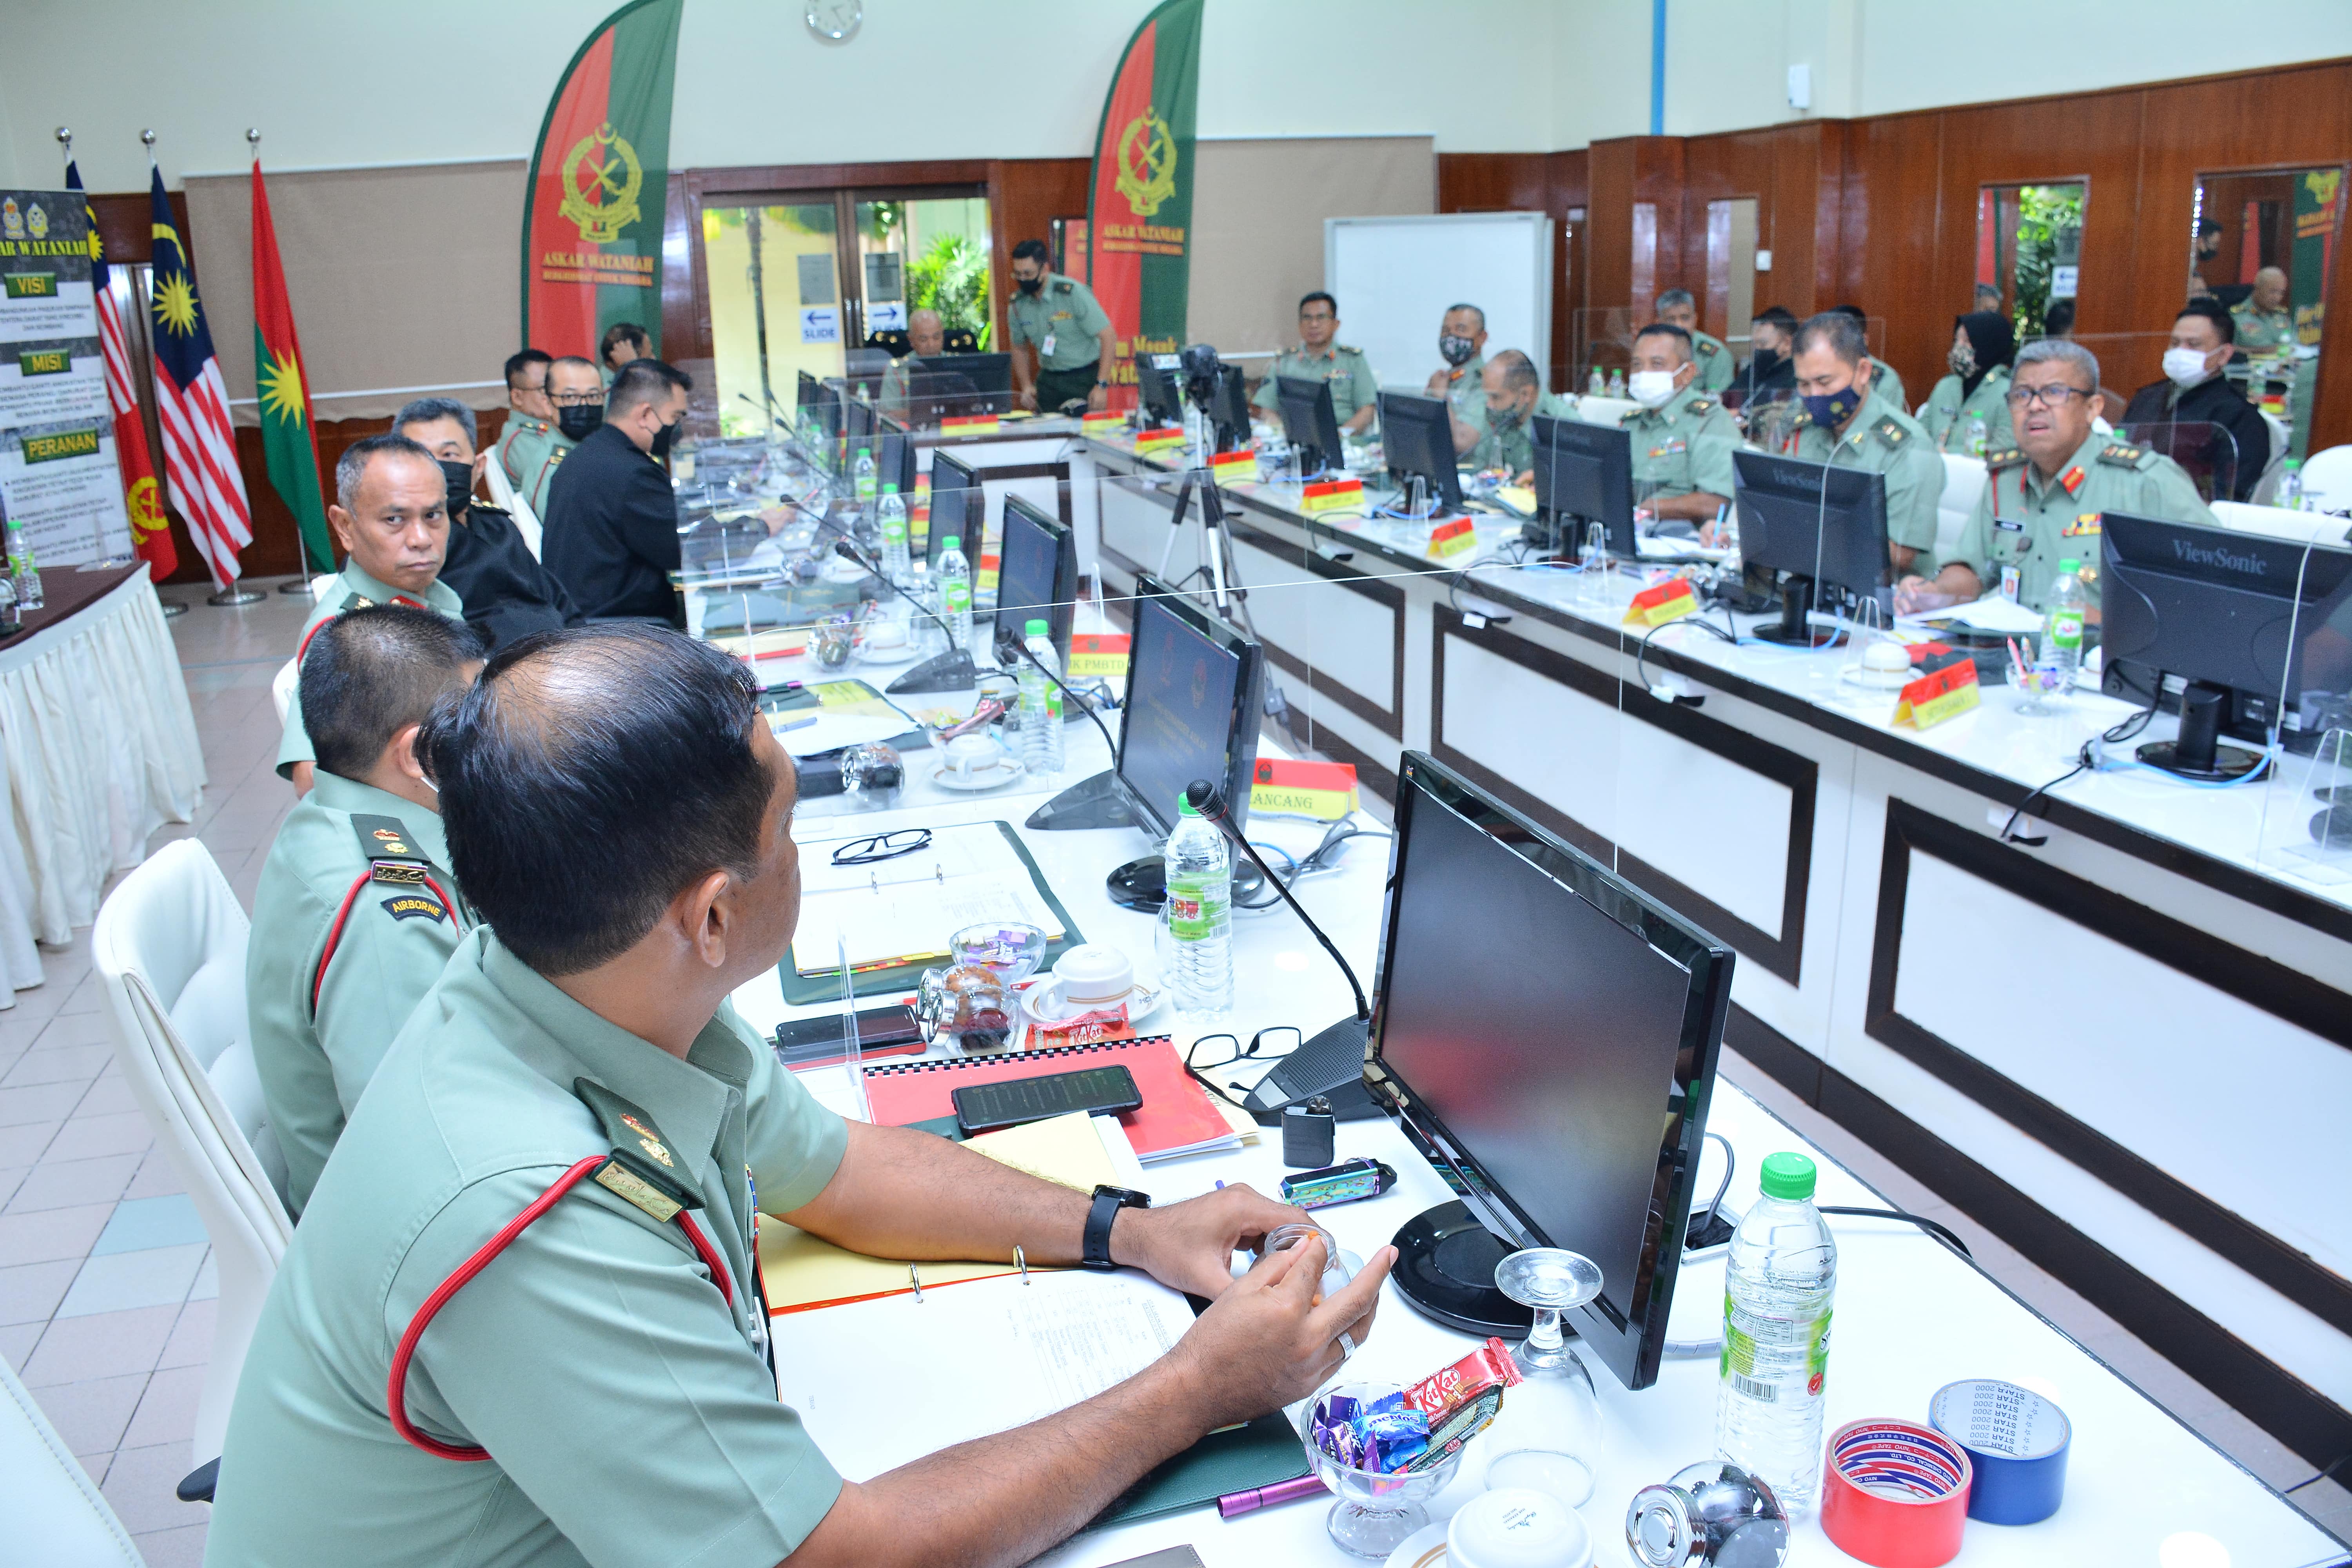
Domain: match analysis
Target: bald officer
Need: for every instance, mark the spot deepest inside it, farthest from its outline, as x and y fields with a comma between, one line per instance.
x=1461, y=344
x=926, y=335
x=2263, y=323
x=1059, y=319
x=356, y=911
x=1354, y=393
x=1677, y=308
x=2045, y=497
x=1682, y=439
x=1847, y=424
x=391, y=514
x=1498, y=431
x=621, y=817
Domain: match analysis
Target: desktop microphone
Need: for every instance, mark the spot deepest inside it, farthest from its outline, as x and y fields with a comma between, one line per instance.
x=951, y=671
x=1331, y=1065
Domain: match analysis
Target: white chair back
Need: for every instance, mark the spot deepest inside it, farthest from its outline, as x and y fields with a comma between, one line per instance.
x=1963, y=482
x=1594, y=410
x=2328, y=479
x=507, y=498
x=2278, y=522
x=55, y=1517
x=320, y=583
x=281, y=687
x=169, y=947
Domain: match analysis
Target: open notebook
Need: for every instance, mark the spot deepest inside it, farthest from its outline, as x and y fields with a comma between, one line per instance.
x=903, y=910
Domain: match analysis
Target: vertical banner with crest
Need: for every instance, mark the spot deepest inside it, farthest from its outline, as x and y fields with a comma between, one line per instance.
x=1139, y=200
x=591, y=216
x=2318, y=195
x=57, y=471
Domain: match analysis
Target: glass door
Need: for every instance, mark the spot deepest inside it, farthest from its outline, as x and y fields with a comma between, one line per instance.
x=776, y=305
x=2030, y=250
x=920, y=251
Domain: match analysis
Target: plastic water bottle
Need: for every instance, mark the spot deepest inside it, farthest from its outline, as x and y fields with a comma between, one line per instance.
x=1592, y=585
x=2290, y=486
x=955, y=592
x=1041, y=704
x=1977, y=439
x=1777, y=1291
x=863, y=476
x=1616, y=383
x=2062, y=626
x=21, y=567
x=1596, y=384
x=891, y=515
x=929, y=641
x=1198, y=914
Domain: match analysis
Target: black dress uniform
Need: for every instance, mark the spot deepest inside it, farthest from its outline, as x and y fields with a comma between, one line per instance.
x=611, y=529
x=2212, y=402
x=508, y=592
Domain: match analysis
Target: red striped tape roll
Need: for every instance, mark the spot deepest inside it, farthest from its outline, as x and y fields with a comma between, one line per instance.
x=1895, y=1495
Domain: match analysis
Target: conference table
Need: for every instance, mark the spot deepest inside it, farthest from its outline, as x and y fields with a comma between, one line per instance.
x=1912, y=1315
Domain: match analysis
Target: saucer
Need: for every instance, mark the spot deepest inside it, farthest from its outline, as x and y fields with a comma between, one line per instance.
x=1424, y=1548
x=902, y=654
x=996, y=775
x=1142, y=1002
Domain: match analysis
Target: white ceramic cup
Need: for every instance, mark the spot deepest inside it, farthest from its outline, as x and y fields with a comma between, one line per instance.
x=968, y=754
x=885, y=634
x=1088, y=976
x=1514, y=1528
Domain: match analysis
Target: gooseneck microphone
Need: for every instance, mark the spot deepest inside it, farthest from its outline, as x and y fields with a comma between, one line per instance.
x=1209, y=800
x=1007, y=642
x=951, y=671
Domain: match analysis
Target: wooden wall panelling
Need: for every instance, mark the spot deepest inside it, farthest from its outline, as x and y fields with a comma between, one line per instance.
x=1494, y=183
x=682, y=334
x=1550, y=182
x=1570, y=186
x=1893, y=227
x=1609, y=273
x=1024, y=196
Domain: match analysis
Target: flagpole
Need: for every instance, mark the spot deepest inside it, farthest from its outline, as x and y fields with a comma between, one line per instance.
x=103, y=560
x=301, y=585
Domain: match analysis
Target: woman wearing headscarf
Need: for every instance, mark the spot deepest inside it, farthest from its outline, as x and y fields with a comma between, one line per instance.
x=1976, y=392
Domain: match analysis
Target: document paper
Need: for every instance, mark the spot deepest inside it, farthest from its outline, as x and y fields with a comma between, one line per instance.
x=903, y=910
x=881, y=1383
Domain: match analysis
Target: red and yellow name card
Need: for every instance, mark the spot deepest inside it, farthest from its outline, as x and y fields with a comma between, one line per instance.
x=1165, y=438
x=1097, y=653
x=1234, y=467
x=987, y=567
x=1932, y=699
x=1323, y=791
x=970, y=425
x=1670, y=600
x=1102, y=423
x=1331, y=495
x=1452, y=537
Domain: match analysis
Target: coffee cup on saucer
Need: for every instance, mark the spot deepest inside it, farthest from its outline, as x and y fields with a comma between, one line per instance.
x=1512, y=1527
x=885, y=635
x=971, y=756
x=1086, y=979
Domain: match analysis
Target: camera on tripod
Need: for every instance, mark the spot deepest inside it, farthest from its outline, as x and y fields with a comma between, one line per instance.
x=1215, y=389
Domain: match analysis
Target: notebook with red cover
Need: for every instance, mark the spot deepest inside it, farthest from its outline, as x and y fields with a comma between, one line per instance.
x=1177, y=1116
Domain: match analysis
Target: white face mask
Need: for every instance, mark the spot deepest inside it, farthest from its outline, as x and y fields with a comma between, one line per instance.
x=2186, y=367
x=1651, y=388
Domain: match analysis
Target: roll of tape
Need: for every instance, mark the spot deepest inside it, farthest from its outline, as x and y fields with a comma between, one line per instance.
x=2017, y=1442
x=1895, y=1495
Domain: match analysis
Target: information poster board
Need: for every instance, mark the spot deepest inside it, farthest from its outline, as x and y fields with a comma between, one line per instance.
x=58, y=477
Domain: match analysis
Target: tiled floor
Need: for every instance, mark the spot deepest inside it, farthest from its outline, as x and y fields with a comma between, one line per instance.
x=106, y=1287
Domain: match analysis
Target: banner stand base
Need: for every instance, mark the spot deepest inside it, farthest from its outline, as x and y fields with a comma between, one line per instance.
x=108, y=563
x=172, y=608
x=235, y=594
x=299, y=585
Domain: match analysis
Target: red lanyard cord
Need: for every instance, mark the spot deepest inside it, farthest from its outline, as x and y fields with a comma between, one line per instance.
x=396, y=1389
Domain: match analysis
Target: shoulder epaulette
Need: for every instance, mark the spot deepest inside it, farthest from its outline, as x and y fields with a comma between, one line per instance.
x=1063, y=286
x=1343, y=348
x=384, y=844
x=1895, y=434
x=1709, y=346
x=643, y=1170
x=2008, y=459
x=2122, y=455
x=483, y=509
x=1701, y=404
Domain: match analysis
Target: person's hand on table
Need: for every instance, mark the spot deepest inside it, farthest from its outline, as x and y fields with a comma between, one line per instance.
x=1707, y=534
x=1268, y=1341
x=774, y=519
x=1525, y=480
x=1915, y=596
x=1027, y=398
x=1099, y=398
x=1190, y=1245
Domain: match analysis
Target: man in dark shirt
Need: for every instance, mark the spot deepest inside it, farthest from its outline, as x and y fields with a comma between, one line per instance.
x=1769, y=372
x=2195, y=392
x=506, y=592
x=611, y=524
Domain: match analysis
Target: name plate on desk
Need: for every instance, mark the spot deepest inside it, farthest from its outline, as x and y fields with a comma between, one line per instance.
x=1160, y=440
x=1097, y=653
x=1234, y=467
x=1103, y=424
x=1670, y=600
x=1932, y=699
x=970, y=425
x=1331, y=495
x=1323, y=791
x=1453, y=537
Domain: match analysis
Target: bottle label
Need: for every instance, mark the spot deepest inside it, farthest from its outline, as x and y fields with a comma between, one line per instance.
x=1737, y=1365
x=956, y=596
x=1195, y=906
x=2067, y=629
x=894, y=531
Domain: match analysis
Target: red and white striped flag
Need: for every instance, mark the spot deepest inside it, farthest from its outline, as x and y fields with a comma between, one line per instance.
x=151, y=531
x=199, y=448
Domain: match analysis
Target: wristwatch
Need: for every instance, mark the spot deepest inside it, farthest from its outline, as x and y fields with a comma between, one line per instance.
x=1102, y=383
x=1108, y=1201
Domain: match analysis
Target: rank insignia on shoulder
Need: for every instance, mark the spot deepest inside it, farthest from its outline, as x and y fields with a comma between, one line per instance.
x=385, y=845
x=2122, y=455
x=1709, y=348
x=1342, y=348
x=2007, y=458
x=1063, y=286
x=1895, y=435
x=642, y=1170
x=413, y=906
x=1701, y=404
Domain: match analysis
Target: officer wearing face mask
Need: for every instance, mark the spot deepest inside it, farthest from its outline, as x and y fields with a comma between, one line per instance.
x=507, y=593
x=1461, y=344
x=1968, y=410
x=1682, y=438
x=612, y=522
x=1847, y=424
x=2194, y=391
x=575, y=397
x=1498, y=431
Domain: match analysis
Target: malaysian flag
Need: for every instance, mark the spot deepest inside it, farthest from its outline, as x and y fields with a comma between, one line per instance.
x=151, y=535
x=199, y=449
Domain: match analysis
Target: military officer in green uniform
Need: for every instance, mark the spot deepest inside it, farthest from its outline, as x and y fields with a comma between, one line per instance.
x=2265, y=325
x=577, y=1096
x=356, y=911
x=1890, y=386
x=1461, y=344
x=391, y=514
x=926, y=335
x=1676, y=307
x=1847, y=424
x=1071, y=333
x=528, y=410
x=1318, y=358
x=1974, y=398
x=1498, y=430
x=2045, y=497
x=575, y=395
x=1682, y=439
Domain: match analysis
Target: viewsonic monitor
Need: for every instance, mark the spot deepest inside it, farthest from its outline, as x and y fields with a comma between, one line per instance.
x=1825, y=527
x=959, y=507
x=1309, y=422
x=1417, y=434
x=1584, y=475
x=1194, y=689
x=1159, y=389
x=1037, y=577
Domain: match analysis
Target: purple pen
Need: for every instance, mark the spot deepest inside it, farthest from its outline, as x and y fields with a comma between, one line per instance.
x=1232, y=1505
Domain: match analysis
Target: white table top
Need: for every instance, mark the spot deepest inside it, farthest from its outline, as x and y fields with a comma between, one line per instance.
x=1911, y=1316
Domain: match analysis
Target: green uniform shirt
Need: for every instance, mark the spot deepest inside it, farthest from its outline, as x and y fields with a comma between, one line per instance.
x=1463, y=387
x=1063, y=319
x=509, y=448
x=893, y=401
x=2030, y=523
x=1512, y=450
x=352, y=590
x=1715, y=368
x=1889, y=384
x=1348, y=371
x=629, y=1416
x=1683, y=447
x=1947, y=414
x=2262, y=332
x=314, y=1061
x=536, y=452
x=1883, y=439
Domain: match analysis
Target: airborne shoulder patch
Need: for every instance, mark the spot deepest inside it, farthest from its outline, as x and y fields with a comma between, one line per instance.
x=414, y=906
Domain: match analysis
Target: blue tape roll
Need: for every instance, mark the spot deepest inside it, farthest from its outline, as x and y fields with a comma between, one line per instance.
x=2017, y=1440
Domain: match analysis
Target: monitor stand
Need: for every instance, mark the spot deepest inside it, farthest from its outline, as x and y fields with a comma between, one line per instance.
x=1445, y=1271
x=1096, y=802
x=1796, y=628
x=949, y=672
x=1143, y=884
x=2198, y=753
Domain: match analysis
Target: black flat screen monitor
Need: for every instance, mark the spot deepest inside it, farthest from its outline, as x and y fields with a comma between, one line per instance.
x=959, y=507
x=1825, y=527
x=1193, y=687
x=1571, y=1090
x=1417, y=434
x=808, y=385
x=858, y=425
x=989, y=376
x=821, y=402
x=1036, y=576
x=1584, y=475
x=894, y=457
x=1229, y=409
x=1159, y=390
x=1310, y=423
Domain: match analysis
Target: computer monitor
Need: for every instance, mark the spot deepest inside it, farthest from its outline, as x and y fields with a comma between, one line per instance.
x=989, y=376
x=1551, y=1032
x=1825, y=527
x=1229, y=410
x=1037, y=577
x=1417, y=434
x=2258, y=629
x=858, y=422
x=1310, y=423
x=820, y=401
x=1194, y=686
x=808, y=385
x=1584, y=475
x=959, y=507
x=894, y=457
x=1159, y=389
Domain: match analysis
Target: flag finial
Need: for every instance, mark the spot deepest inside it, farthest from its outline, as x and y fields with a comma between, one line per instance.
x=252, y=139
x=147, y=139
x=65, y=142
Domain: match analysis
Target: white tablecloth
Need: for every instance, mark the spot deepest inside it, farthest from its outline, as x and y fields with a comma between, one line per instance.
x=101, y=750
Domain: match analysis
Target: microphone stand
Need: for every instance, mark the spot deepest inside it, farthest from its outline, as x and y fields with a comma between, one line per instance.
x=951, y=671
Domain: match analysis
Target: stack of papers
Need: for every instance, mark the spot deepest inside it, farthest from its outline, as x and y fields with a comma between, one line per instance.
x=903, y=910
x=1990, y=614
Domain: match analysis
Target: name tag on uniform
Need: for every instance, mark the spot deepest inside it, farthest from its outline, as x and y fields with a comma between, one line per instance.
x=2009, y=583
x=1047, y=346
x=2009, y=525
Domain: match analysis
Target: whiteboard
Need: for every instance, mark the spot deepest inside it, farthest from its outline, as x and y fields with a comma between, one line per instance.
x=1394, y=277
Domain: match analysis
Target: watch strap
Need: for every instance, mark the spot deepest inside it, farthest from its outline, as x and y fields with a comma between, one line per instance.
x=1096, y=1253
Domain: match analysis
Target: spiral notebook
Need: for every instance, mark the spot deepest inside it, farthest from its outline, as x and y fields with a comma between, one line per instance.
x=1177, y=1116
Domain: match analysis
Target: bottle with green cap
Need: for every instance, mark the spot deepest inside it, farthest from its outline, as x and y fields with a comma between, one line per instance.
x=1039, y=738
x=1779, y=1286
x=2061, y=632
x=897, y=556
x=1198, y=918
x=955, y=592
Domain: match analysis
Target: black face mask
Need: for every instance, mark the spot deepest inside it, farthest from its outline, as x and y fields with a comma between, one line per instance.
x=1455, y=351
x=664, y=437
x=576, y=420
x=1031, y=285
x=460, y=478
